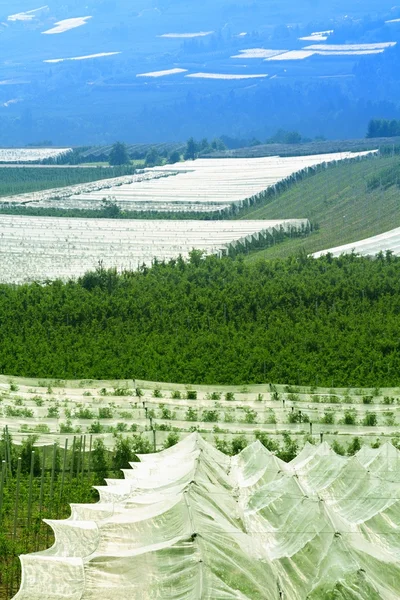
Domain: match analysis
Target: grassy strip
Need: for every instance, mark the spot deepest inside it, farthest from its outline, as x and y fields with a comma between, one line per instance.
x=349, y=202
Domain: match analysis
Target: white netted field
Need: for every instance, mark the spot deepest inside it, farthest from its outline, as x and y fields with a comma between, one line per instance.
x=201, y=185
x=389, y=240
x=43, y=248
x=192, y=523
x=22, y=155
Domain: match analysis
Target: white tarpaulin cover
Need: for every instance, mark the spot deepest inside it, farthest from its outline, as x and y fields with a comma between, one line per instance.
x=190, y=523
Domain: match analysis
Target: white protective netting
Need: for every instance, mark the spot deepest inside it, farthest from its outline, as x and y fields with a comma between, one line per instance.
x=191, y=523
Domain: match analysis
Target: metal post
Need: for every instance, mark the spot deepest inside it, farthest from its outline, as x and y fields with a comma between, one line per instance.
x=63, y=474
x=2, y=484
x=53, y=471
x=310, y=428
x=90, y=454
x=155, y=440
x=321, y=437
x=30, y=488
x=17, y=498
x=78, y=466
x=83, y=455
x=71, y=472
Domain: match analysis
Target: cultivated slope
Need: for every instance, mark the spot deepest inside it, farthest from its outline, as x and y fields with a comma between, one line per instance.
x=190, y=523
x=342, y=201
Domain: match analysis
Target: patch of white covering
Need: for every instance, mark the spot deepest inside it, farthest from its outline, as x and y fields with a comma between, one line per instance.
x=42, y=248
x=29, y=15
x=292, y=55
x=100, y=55
x=369, y=246
x=202, y=185
x=186, y=35
x=317, y=36
x=11, y=102
x=350, y=52
x=258, y=53
x=393, y=21
x=243, y=527
x=162, y=73
x=233, y=76
x=66, y=25
x=26, y=155
x=350, y=47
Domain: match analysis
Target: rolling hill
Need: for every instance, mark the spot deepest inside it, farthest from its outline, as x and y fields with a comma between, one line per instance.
x=347, y=202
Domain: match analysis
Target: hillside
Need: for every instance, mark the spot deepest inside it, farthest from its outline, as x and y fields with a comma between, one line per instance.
x=347, y=202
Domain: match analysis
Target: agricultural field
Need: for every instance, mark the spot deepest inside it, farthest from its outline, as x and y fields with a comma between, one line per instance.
x=30, y=155
x=56, y=411
x=26, y=181
x=289, y=444
x=203, y=185
x=346, y=203
x=44, y=248
x=386, y=242
x=207, y=526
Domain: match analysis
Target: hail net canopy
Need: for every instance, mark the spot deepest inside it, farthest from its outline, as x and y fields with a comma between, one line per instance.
x=190, y=523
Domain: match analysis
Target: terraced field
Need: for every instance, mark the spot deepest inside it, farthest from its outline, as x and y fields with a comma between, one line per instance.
x=58, y=410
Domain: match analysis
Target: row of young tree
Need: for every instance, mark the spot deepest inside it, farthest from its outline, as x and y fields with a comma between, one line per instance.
x=331, y=322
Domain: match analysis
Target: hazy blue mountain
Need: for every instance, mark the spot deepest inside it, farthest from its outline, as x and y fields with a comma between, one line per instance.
x=99, y=99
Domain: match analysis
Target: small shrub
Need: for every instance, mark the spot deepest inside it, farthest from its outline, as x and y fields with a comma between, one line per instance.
x=84, y=413
x=259, y=398
x=38, y=400
x=122, y=391
x=293, y=397
x=338, y=448
x=18, y=401
x=191, y=395
x=390, y=419
x=172, y=439
x=229, y=415
x=125, y=415
x=370, y=419
x=333, y=399
x=157, y=393
x=96, y=427
x=166, y=413
x=13, y=387
x=120, y=427
x=133, y=427
x=176, y=395
x=367, y=399
x=66, y=427
x=349, y=417
x=388, y=400
x=376, y=444
x=354, y=446
x=86, y=394
x=270, y=417
x=105, y=413
x=230, y=396
x=53, y=412
x=266, y=441
x=213, y=396
x=191, y=415
x=328, y=418
x=238, y=444
x=250, y=416
x=104, y=392
x=139, y=393
x=210, y=416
